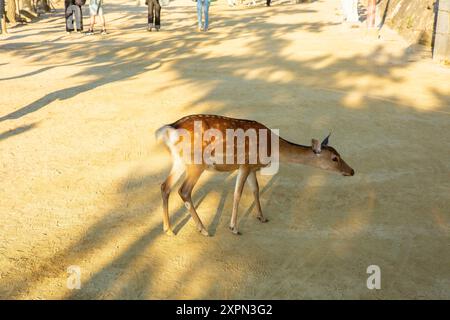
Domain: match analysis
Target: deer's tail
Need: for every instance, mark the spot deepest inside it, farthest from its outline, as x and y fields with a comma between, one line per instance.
x=167, y=134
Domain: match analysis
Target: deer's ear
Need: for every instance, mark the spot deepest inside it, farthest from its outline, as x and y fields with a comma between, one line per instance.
x=316, y=146
x=325, y=141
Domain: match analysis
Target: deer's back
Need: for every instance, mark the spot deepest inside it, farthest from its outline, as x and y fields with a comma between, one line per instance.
x=222, y=124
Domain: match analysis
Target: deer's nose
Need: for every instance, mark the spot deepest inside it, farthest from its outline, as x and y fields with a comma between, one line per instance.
x=349, y=174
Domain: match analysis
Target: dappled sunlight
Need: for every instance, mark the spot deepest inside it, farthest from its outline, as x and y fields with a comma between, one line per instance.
x=357, y=220
x=81, y=169
x=358, y=74
x=354, y=100
x=98, y=242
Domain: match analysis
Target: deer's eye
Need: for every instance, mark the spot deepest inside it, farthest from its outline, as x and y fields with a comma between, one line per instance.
x=335, y=159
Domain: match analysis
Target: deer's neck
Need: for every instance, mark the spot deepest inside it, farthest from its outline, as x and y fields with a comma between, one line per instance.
x=294, y=153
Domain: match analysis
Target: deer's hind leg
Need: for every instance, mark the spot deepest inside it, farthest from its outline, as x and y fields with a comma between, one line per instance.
x=193, y=173
x=175, y=174
x=253, y=182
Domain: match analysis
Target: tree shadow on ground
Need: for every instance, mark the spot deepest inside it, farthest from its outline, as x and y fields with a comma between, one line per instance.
x=327, y=223
x=16, y=131
x=104, y=70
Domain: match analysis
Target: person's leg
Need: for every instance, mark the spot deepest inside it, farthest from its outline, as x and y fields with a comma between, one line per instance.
x=353, y=16
x=102, y=22
x=268, y=3
x=206, y=6
x=3, y=17
x=69, y=19
x=73, y=24
x=92, y=12
x=199, y=14
x=92, y=23
x=150, y=14
x=3, y=24
x=344, y=9
x=77, y=18
x=348, y=10
x=101, y=17
x=157, y=15
x=81, y=19
x=67, y=13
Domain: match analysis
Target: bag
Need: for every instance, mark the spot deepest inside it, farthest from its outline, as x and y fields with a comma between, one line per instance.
x=80, y=2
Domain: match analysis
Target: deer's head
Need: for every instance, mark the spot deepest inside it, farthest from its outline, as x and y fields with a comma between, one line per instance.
x=327, y=158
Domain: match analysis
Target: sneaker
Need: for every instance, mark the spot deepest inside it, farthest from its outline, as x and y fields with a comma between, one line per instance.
x=104, y=32
x=149, y=27
x=90, y=32
x=157, y=28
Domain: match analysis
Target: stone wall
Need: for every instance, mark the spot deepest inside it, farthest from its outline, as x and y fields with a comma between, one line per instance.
x=413, y=19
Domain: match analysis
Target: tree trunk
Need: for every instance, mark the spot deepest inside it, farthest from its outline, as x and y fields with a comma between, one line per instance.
x=11, y=11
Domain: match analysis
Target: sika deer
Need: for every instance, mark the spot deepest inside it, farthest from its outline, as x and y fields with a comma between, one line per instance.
x=197, y=142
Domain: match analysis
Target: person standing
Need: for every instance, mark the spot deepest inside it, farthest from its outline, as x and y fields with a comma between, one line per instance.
x=74, y=15
x=154, y=15
x=350, y=10
x=203, y=7
x=96, y=10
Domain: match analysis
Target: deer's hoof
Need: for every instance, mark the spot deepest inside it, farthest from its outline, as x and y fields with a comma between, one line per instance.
x=169, y=232
x=235, y=231
x=263, y=219
x=204, y=232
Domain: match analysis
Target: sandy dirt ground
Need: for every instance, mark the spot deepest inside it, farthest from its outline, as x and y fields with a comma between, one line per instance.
x=80, y=169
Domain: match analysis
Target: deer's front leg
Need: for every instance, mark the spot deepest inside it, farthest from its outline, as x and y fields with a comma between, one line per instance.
x=253, y=182
x=240, y=181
